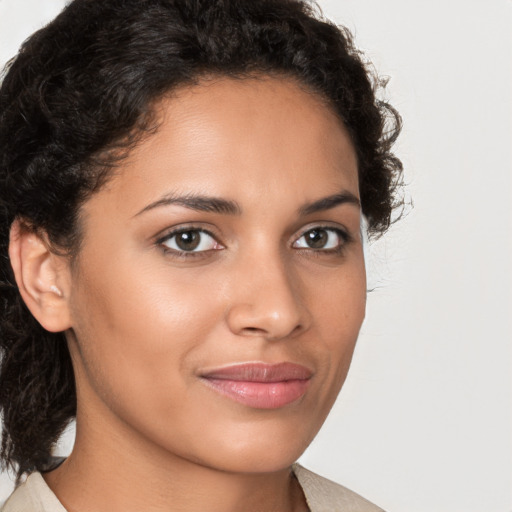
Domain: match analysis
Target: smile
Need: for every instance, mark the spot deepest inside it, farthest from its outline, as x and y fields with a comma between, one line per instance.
x=260, y=385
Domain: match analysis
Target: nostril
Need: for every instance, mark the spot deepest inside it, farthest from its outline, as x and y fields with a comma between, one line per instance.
x=253, y=330
x=257, y=331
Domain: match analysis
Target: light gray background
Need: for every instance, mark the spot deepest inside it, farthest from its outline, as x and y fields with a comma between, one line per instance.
x=424, y=421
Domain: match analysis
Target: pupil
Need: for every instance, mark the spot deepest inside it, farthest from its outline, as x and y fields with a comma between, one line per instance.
x=188, y=240
x=316, y=238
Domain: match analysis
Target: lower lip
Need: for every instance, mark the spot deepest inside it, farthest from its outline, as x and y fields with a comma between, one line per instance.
x=260, y=395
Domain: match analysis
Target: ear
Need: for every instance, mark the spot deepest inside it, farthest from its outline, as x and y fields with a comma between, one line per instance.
x=43, y=277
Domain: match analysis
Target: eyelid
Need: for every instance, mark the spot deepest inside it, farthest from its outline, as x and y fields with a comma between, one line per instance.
x=172, y=232
x=342, y=232
x=202, y=227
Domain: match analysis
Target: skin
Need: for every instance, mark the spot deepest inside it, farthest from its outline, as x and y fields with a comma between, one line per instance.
x=143, y=320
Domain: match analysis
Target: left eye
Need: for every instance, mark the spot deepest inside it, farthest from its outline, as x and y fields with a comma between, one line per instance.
x=190, y=240
x=321, y=239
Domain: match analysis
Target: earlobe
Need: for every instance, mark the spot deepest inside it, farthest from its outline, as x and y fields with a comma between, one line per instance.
x=42, y=277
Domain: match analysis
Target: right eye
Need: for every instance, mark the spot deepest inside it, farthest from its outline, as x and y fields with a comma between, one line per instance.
x=190, y=240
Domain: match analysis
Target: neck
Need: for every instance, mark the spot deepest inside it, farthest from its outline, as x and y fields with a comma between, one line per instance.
x=113, y=469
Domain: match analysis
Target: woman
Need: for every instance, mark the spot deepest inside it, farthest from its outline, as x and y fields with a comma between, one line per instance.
x=183, y=184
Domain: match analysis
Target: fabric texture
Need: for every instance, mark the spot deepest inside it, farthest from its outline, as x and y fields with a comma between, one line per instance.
x=33, y=495
x=322, y=495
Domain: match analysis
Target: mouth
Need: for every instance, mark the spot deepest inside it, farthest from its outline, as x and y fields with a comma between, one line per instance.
x=260, y=385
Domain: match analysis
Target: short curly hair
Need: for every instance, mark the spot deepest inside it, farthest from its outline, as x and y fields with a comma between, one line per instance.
x=85, y=85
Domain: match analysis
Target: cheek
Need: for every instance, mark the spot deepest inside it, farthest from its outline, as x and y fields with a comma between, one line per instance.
x=339, y=310
x=137, y=330
x=339, y=302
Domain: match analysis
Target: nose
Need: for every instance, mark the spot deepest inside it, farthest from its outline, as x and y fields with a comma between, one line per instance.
x=267, y=300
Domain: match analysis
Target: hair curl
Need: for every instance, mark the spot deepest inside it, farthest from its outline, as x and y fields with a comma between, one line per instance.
x=84, y=85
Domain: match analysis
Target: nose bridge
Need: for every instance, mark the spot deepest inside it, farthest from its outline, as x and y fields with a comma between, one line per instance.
x=266, y=299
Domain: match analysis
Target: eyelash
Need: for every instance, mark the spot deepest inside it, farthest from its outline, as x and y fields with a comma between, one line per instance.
x=186, y=254
x=345, y=239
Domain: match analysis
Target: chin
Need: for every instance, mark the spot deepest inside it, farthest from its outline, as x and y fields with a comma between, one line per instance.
x=257, y=450
x=257, y=461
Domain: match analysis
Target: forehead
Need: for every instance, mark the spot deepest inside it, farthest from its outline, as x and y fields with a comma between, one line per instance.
x=241, y=138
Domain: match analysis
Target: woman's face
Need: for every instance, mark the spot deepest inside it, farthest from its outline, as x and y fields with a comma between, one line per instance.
x=220, y=286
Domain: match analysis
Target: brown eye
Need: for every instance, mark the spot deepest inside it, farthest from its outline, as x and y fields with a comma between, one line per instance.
x=190, y=240
x=321, y=239
x=316, y=238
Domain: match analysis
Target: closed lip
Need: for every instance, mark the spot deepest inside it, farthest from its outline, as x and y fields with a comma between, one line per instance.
x=259, y=372
x=260, y=385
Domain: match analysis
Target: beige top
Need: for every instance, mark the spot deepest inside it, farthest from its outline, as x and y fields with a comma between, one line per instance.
x=321, y=494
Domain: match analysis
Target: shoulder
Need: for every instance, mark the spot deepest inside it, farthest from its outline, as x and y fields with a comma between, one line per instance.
x=324, y=495
x=33, y=495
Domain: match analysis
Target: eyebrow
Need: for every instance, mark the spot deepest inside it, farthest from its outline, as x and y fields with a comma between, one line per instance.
x=228, y=207
x=198, y=203
x=329, y=202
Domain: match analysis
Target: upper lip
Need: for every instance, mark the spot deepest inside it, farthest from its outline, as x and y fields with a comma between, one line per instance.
x=259, y=372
